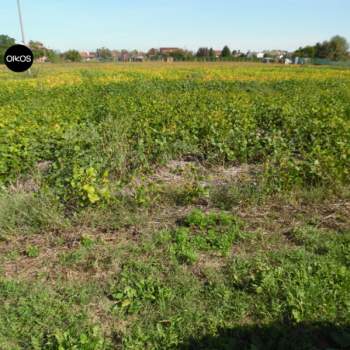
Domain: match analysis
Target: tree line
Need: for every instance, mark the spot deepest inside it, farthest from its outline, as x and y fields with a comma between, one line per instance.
x=336, y=49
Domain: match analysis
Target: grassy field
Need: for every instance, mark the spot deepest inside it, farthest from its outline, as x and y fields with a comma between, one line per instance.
x=175, y=206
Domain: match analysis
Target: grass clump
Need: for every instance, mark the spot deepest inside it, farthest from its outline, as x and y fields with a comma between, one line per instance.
x=202, y=232
x=29, y=213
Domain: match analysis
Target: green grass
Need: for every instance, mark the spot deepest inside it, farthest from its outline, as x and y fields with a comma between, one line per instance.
x=186, y=285
x=32, y=317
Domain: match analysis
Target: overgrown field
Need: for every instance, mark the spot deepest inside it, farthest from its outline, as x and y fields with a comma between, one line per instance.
x=180, y=206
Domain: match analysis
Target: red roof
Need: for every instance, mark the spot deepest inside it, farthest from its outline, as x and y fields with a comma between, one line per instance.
x=168, y=49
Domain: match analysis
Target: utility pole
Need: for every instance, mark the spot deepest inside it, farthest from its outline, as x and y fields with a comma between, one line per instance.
x=21, y=21
x=22, y=28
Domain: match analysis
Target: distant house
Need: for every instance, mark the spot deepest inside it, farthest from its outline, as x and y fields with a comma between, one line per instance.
x=238, y=54
x=249, y=54
x=168, y=50
x=84, y=55
x=124, y=57
x=268, y=59
x=260, y=55
x=115, y=55
x=88, y=56
x=42, y=59
x=217, y=53
x=277, y=53
x=139, y=58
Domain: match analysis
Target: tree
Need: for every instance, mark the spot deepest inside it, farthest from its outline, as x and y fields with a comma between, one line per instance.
x=38, y=48
x=308, y=51
x=181, y=55
x=104, y=53
x=54, y=56
x=322, y=50
x=212, y=54
x=153, y=52
x=72, y=55
x=5, y=43
x=203, y=52
x=226, y=52
x=338, y=48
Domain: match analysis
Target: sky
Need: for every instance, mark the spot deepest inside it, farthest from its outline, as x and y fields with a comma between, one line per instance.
x=142, y=24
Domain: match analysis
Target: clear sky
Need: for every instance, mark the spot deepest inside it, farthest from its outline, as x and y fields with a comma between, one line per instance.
x=142, y=24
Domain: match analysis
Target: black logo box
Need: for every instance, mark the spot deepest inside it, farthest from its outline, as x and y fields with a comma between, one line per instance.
x=19, y=58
